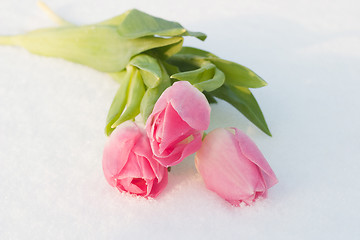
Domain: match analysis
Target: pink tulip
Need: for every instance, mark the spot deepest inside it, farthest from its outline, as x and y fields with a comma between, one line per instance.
x=177, y=122
x=128, y=162
x=233, y=167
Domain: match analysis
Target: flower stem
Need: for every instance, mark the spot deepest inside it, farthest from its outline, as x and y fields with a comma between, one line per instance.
x=8, y=40
x=56, y=18
x=204, y=135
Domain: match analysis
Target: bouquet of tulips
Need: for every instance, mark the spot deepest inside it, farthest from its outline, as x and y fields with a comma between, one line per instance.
x=161, y=109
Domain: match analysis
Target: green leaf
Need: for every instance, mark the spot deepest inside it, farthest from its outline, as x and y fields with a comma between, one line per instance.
x=152, y=94
x=167, y=51
x=135, y=24
x=139, y=24
x=149, y=69
x=119, y=102
x=135, y=94
x=199, y=35
x=183, y=63
x=97, y=46
x=150, y=80
x=238, y=75
x=9, y=40
x=150, y=98
x=119, y=77
x=243, y=100
x=170, y=69
x=207, y=77
x=115, y=21
x=196, y=52
x=147, y=63
x=209, y=97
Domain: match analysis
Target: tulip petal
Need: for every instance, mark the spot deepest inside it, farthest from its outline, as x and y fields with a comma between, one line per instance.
x=180, y=151
x=223, y=169
x=117, y=150
x=159, y=185
x=252, y=152
x=188, y=102
x=131, y=170
x=137, y=186
x=149, y=168
x=129, y=165
x=173, y=128
x=233, y=167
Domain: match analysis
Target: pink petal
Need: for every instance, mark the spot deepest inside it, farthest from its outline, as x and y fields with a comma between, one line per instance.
x=158, y=185
x=188, y=102
x=150, y=168
x=173, y=128
x=224, y=171
x=252, y=152
x=136, y=186
x=180, y=151
x=118, y=148
x=128, y=162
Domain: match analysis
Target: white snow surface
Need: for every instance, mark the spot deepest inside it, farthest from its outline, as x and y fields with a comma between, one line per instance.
x=52, y=118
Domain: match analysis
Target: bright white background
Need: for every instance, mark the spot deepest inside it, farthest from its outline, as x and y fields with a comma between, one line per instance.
x=52, y=115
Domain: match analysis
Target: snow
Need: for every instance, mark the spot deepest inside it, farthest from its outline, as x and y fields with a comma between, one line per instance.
x=52, y=116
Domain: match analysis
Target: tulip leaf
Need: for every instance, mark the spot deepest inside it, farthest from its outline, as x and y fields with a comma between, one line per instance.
x=96, y=46
x=139, y=24
x=119, y=77
x=167, y=51
x=150, y=97
x=136, y=24
x=198, y=35
x=189, y=58
x=119, y=102
x=149, y=69
x=196, y=52
x=135, y=94
x=114, y=21
x=149, y=79
x=170, y=69
x=243, y=100
x=215, y=82
x=237, y=81
x=184, y=64
x=209, y=97
x=238, y=75
x=152, y=94
x=207, y=77
x=147, y=63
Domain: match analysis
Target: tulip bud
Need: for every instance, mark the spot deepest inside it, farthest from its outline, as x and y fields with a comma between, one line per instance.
x=232, y=166
x=128, y=162
x=176, y=124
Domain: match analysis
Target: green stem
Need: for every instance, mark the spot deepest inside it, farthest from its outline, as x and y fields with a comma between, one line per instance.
x=204, y=135
x=8, y=40
x=14, y=40
x=56, y=18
